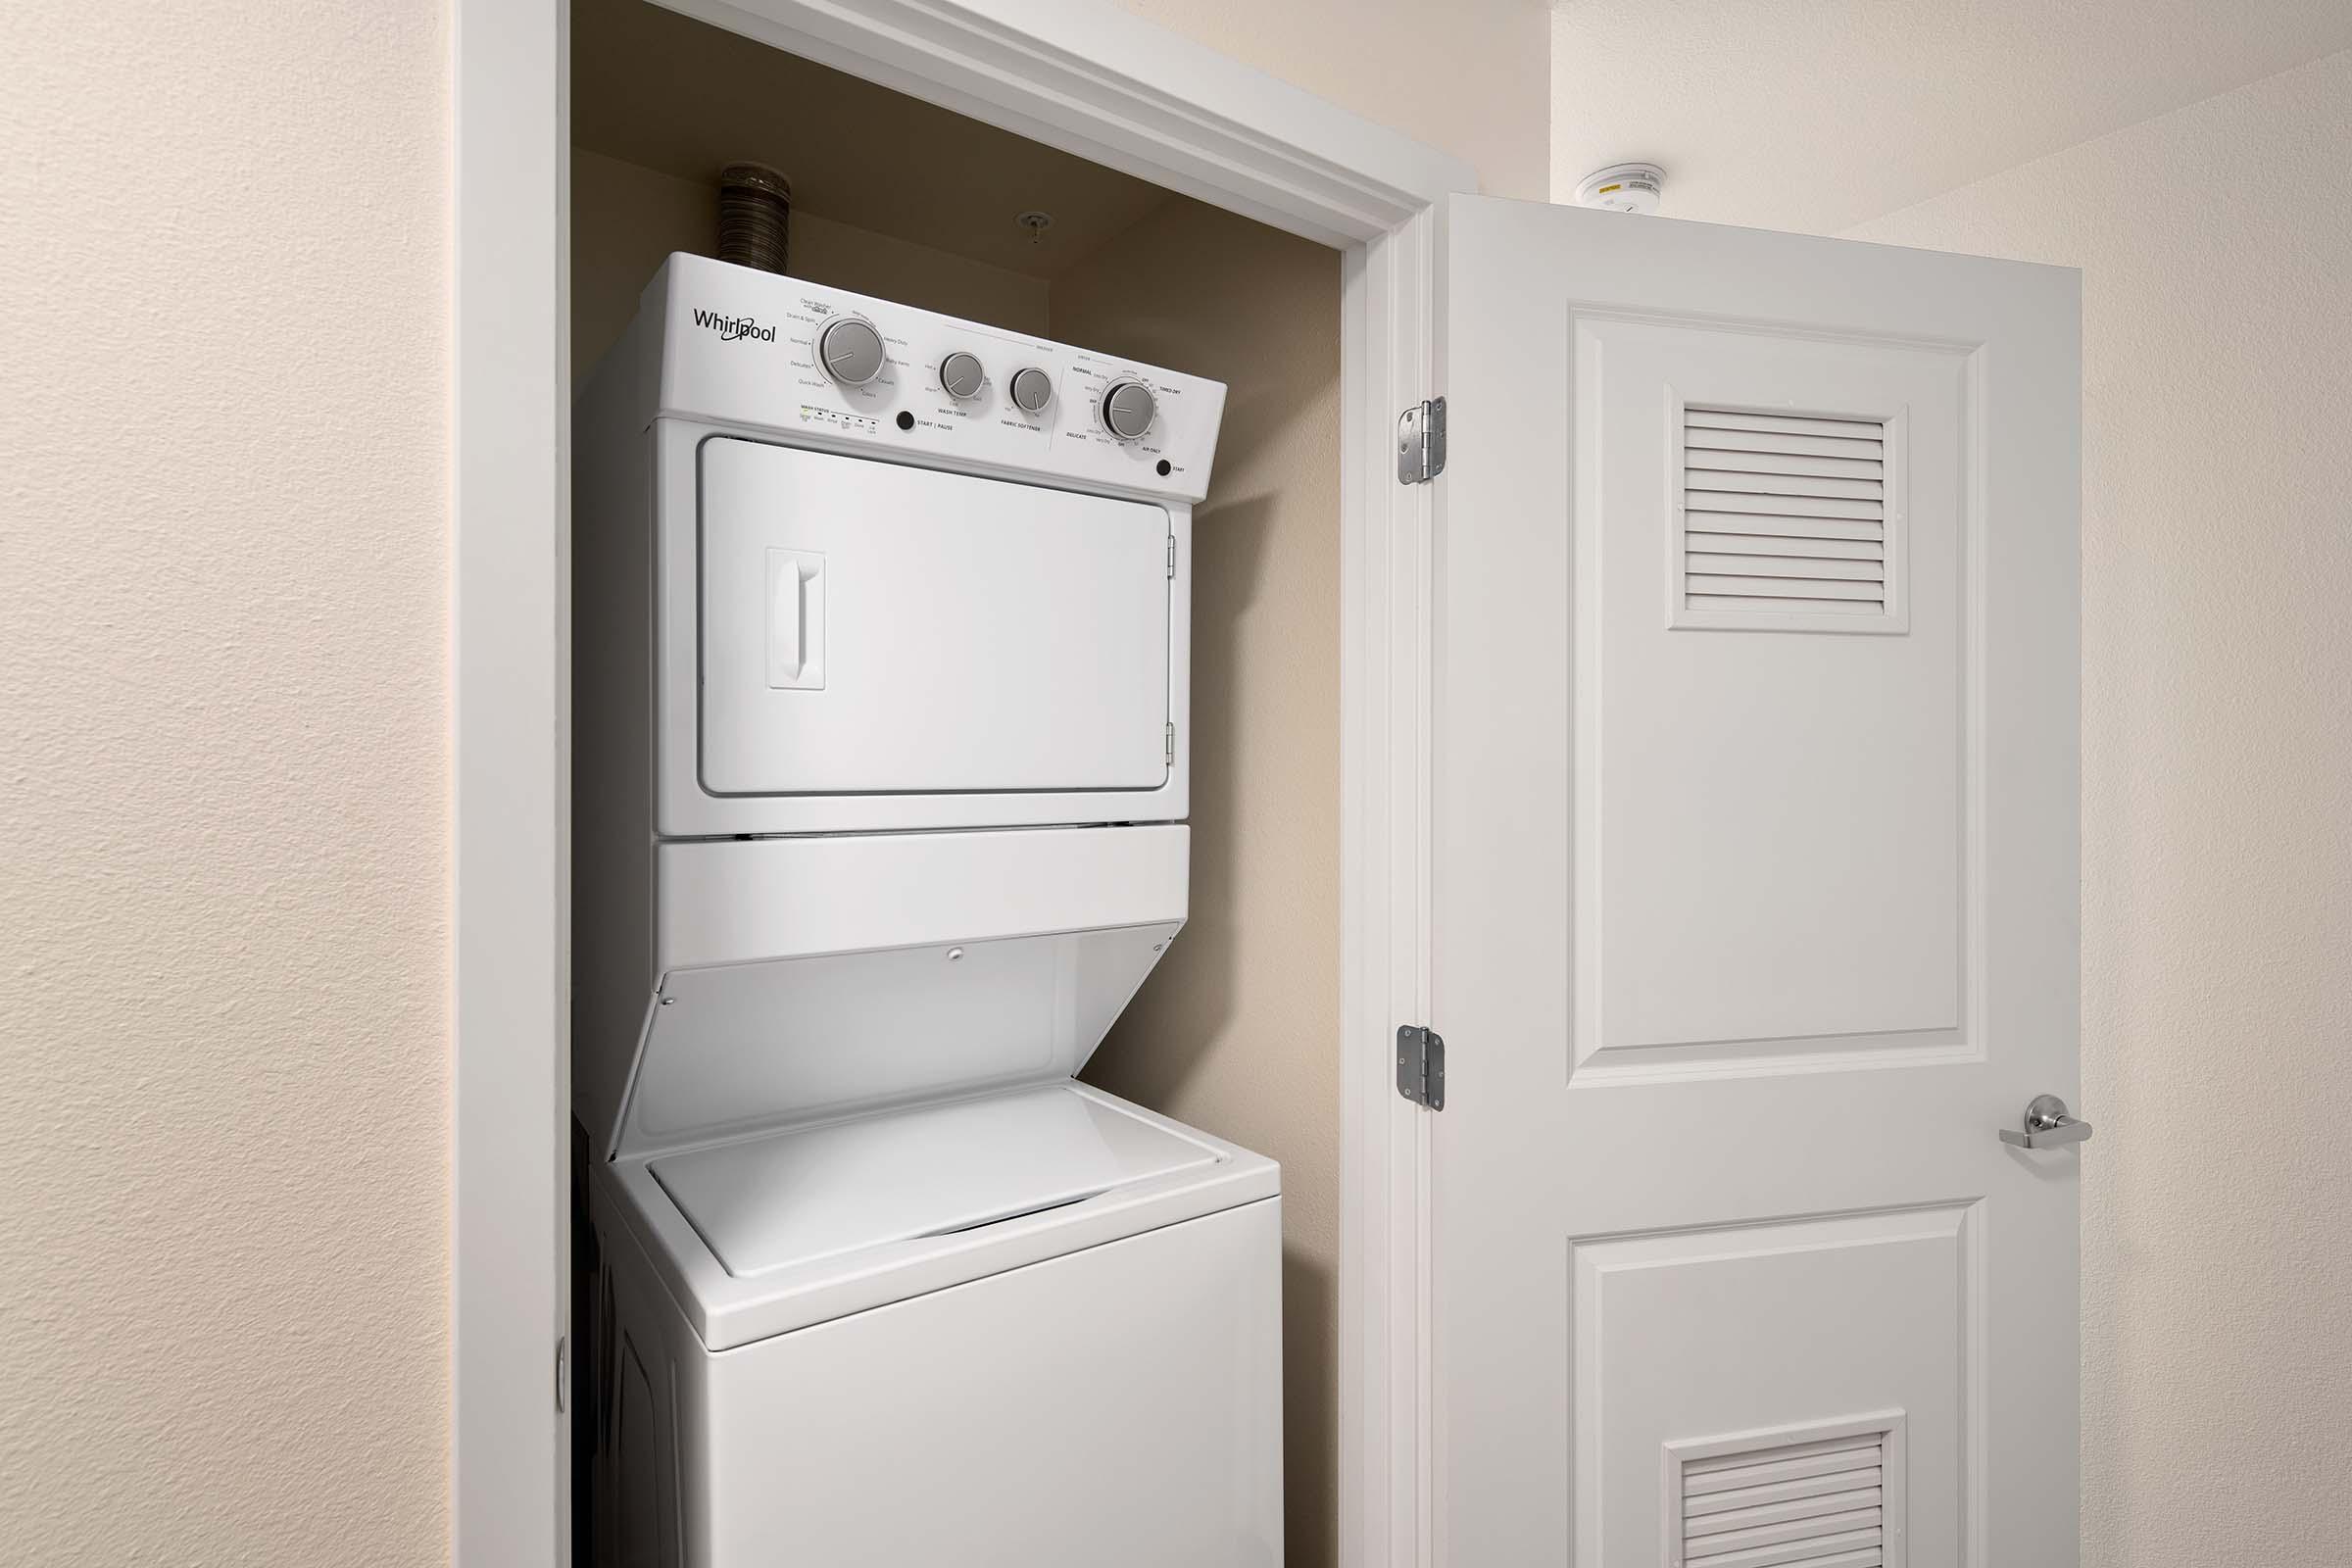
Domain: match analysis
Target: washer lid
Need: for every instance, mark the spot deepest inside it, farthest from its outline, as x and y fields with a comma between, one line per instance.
x=814, y=1193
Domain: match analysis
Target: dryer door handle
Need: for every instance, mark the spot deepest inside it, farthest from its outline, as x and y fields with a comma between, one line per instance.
x=790, y=625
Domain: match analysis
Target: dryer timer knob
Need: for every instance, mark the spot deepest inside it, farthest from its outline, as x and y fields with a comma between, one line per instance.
x=851, y=351
x=1128, y=409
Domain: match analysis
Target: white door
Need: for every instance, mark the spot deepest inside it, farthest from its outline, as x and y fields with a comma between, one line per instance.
x=875, y=628
x=1755, y=867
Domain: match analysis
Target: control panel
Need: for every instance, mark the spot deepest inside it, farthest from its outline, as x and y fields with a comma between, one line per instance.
x=748, y=348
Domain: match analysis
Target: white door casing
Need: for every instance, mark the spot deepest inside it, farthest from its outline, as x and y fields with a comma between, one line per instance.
x=1753, y=865
x=1099, y=83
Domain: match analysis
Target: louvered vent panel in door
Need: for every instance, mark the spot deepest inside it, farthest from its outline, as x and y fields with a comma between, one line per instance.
x=1818, y=1504
x=1783, y=515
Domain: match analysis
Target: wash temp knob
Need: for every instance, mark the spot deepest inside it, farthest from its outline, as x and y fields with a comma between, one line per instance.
x=1032, y=389
x=1127, y=409
x=850, y=350
x=961, y=374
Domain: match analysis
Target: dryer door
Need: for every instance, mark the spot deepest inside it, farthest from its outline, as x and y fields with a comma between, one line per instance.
x=870, y=628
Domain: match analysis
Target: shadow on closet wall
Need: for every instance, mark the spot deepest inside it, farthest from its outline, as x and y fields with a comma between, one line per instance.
x=1237, y=1030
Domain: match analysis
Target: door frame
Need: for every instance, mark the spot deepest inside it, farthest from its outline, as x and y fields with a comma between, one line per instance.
x=1093, y=80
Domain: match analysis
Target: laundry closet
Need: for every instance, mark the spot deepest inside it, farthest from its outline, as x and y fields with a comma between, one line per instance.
x=1036, y=466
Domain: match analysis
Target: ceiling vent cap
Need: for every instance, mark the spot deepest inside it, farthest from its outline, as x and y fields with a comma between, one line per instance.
x=1622, y=188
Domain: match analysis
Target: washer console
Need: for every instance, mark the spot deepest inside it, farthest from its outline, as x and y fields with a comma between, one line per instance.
x=743, y=347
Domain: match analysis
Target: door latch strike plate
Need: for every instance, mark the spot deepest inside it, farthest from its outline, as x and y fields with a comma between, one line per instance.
x=1421, y=1066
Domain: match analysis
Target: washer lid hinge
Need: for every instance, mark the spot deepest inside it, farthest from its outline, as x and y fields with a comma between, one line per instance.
x=1171, y=555
x=1421, y=442
x=1171, y=743
x=1421, y=1066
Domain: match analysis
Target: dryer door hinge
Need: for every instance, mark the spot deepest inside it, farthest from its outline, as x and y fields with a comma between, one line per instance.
x=1171, y=555
x=1171, y=743
x=1421, y=442
x=1421, y=1066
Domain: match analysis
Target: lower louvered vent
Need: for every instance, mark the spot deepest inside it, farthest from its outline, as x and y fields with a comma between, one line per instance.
x=1831, y=1502
x=1783, y=515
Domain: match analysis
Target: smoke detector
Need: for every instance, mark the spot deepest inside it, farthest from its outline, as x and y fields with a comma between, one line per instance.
x=1622, y=188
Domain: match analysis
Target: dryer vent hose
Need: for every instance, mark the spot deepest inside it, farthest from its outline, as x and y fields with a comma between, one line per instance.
x=755, y=210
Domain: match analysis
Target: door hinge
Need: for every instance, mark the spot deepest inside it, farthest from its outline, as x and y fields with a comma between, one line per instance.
x=1171, y=555
x=1421, y=442
x=563, y=1372
x=1171, y=744
x=1421, y=1066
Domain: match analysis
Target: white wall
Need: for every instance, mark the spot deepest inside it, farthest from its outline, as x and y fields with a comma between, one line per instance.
x=2216, y=244
x=1817, y=114
x=224, y=828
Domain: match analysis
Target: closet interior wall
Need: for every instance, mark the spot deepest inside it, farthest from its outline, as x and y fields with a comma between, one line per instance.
x=1237, y=1031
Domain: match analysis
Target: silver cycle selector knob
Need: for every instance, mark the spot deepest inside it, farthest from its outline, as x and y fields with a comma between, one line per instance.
x=1032, y=389
x=851, y=351
x=960, y=373
x=1127, y=409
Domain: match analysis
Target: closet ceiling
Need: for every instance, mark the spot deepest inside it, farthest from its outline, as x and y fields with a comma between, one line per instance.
x=662, y=91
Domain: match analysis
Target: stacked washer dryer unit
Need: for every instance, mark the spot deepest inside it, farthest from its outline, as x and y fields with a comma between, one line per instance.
x=881, y=682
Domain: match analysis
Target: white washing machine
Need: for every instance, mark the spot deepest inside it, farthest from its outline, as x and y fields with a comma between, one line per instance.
x=881, y=726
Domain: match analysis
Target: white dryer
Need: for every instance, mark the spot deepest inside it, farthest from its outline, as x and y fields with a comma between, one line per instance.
x=881, y=701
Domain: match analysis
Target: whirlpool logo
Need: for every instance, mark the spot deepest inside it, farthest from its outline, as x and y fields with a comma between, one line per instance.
x=735, y=328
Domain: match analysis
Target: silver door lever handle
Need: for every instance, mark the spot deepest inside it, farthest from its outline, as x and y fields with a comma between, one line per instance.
x=2048, y=1124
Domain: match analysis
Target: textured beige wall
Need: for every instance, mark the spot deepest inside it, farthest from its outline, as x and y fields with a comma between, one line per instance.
x=625, y=218
x=224, y=830
x=225, y=346
x=1472, y=77
x=2216, y=244
x=1238, y=1029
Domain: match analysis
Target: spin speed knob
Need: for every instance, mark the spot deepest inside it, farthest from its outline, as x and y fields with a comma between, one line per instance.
x=1128, y=409
x=961, y=374
x=1032, y=389
x=851, y=351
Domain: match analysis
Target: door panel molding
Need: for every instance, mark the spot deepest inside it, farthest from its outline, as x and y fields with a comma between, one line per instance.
x=1672, y=820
